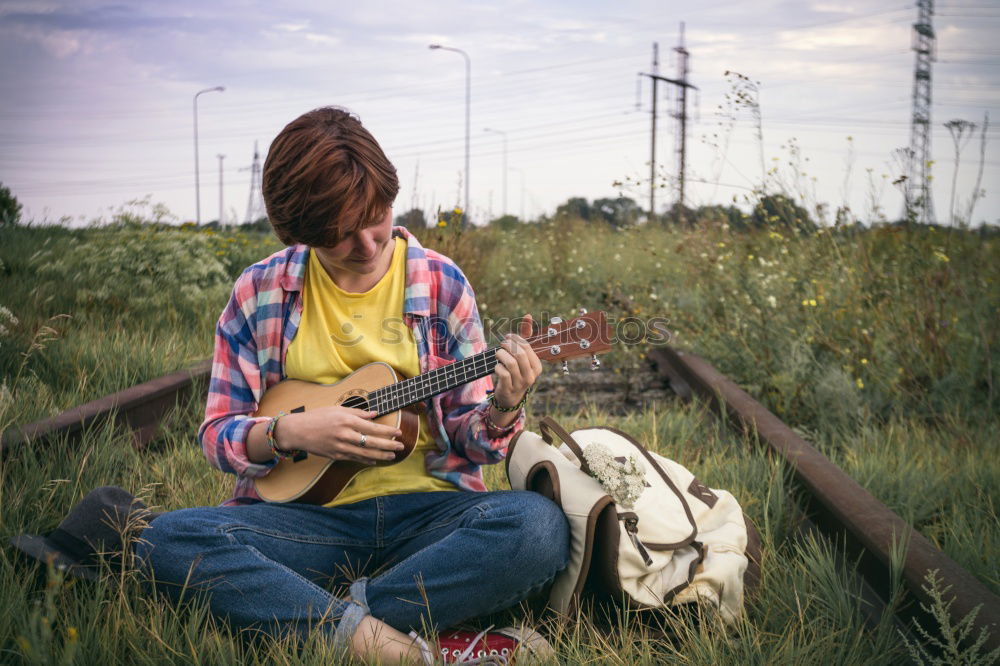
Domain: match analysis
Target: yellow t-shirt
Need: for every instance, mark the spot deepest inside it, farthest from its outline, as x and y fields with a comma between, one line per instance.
x=341, y=331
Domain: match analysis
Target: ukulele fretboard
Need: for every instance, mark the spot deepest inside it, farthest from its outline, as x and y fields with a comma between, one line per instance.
x=410, y=391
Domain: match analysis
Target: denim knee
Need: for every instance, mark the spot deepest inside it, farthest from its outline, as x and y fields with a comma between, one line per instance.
x=544, y=530
x=171, y=544
x=194, y=549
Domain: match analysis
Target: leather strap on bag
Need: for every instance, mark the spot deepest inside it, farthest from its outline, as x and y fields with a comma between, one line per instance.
x=549, y=426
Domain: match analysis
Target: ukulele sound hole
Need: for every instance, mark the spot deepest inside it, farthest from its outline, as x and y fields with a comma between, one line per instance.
x=356, y=402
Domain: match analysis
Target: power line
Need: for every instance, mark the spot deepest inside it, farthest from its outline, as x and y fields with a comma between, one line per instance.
x=821, y=24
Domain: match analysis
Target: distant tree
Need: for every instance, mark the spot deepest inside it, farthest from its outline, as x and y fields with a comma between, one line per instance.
x=506, y=222
x=412, y=219
x=618, y=212
x=679, y=214
x=575, y=207
x=260, y=224
x=719, y=215
x=777, y=210
x=10, y=208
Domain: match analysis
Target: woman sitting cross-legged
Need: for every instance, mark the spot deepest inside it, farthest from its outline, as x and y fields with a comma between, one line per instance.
x=421, y=545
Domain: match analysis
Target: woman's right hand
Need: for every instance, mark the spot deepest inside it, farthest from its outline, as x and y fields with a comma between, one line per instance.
x=332, y=432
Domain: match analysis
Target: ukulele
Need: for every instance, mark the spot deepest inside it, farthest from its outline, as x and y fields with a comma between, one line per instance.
x=377, y=388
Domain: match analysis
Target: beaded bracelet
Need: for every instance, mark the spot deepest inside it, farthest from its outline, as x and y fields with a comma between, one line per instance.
x=272, y=441
x=507, y=410
x=498, y=430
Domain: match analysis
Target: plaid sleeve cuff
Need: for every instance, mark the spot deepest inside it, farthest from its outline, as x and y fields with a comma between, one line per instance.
x=236, y=441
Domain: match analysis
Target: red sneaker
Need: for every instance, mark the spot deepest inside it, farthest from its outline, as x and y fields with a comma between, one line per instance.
x=495, y=648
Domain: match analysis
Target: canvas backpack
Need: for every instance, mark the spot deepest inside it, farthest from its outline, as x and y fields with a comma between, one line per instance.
x=650, y=535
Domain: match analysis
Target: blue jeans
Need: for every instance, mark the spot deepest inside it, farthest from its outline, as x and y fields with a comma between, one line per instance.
x=416, y=561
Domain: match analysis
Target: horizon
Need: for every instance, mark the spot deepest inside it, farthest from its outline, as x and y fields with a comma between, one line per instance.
x=98, y=101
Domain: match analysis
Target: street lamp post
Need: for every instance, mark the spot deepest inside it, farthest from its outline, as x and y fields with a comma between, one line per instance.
x=221, y=208
x=520, y=172
x=503, y=135
x=197, y=180
x=468, y=102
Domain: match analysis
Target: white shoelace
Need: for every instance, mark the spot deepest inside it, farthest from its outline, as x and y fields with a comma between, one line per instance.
x=464, y=657
x=425, y=649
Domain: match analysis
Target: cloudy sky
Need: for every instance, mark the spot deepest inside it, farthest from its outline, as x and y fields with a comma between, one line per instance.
x=96, y=98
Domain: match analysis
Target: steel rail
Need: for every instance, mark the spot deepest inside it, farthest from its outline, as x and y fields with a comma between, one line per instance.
x=138, y=409
x=842, y=509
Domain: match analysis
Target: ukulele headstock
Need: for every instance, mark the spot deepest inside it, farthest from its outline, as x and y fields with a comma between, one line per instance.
x=586, y=334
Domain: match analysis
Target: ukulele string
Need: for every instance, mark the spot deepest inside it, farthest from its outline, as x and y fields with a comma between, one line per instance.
x=407, y=386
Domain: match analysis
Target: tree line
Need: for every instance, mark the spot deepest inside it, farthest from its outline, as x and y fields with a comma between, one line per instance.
x=770, y=211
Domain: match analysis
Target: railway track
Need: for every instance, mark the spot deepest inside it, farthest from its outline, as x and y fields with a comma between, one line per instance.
x=841, y=508
x=615, y=392
x=834, y=504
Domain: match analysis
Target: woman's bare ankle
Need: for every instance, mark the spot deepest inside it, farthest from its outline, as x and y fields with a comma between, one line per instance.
x=375, y=639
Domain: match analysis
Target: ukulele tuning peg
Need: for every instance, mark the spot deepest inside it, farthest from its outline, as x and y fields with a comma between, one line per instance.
x=595, y=363
x=565, y=367
x=555, y=320
x=582, y=311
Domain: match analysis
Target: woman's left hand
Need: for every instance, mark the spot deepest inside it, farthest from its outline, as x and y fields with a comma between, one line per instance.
x=517, y=367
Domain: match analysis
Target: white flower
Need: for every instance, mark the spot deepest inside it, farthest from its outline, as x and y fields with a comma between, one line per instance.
x=8, y=315
x=772, y=301
x=624, y=481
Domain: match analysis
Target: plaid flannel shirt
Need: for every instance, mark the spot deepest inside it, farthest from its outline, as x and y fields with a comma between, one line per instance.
x=261, y=319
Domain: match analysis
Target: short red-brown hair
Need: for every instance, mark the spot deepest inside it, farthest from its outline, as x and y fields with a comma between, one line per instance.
x=325, y=177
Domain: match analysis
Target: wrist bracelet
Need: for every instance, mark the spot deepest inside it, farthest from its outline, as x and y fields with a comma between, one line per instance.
x=272, y=441
x=507, y=410
x=498, y=430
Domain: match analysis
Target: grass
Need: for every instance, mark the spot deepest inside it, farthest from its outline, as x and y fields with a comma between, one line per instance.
x=806, y=610
x=87, y=312
x=874, y=344
x=878, y=345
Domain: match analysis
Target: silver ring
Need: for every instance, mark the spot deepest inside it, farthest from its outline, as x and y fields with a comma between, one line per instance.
x=364, y=440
